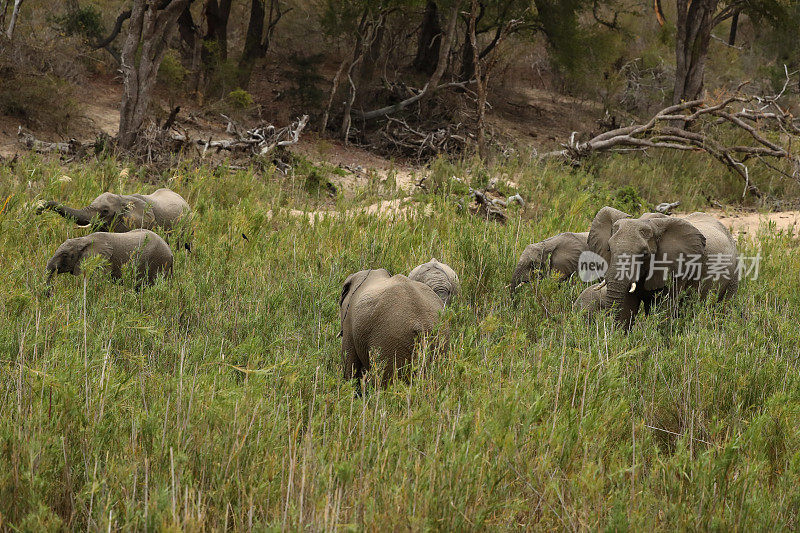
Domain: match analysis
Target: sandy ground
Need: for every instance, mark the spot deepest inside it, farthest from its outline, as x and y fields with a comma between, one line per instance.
x=749, y=224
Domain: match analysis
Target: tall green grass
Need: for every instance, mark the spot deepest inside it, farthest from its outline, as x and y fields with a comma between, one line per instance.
x=215, y=400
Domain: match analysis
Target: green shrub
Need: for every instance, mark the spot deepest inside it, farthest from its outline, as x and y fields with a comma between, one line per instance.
x=85, y=21
x=240, y=99
x=43, y=101
x=172, y=73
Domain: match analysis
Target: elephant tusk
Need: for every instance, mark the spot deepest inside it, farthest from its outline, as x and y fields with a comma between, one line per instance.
x=85, y=225
x=602, y=284
x=633, y=287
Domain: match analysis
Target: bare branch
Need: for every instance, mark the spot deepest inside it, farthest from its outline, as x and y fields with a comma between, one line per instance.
x=754, y=115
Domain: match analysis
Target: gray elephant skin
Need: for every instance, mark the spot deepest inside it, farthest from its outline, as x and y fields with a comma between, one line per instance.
x=671, y=242
x=120, y=213
x=150, y=252
x=439, y=277
x=559, y=253
x=591, y=298
x=383, y=318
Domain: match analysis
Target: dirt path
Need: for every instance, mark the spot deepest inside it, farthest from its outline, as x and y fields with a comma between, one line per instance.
x=748, y=224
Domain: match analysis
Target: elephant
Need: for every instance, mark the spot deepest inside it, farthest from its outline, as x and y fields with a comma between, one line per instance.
x=120, y=213
x=439, y=277
x=559, y=253
x=696, y=251
x=382, y=318
x=151, y=253
x=591, y=298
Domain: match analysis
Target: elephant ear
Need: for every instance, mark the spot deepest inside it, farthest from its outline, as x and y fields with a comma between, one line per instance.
x=352, y=283
x=600, y=231
x=138, y=214
x=565, y=250
x=89, y=249
x=678, y=240
x=348, y=284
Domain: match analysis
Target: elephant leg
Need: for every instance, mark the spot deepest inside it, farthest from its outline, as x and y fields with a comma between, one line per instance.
x=353, y=369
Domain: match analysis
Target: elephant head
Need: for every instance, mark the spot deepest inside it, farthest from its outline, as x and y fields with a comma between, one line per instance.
x=591, y=298
x=559, y=253
x=111, y=212
x=642, y=255
x=439, y=277
x=69, y=255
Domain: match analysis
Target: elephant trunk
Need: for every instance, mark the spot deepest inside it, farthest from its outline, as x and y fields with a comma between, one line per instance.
x=523, y=274
x=622, y=298
x=49, y=282
x=82, y=216
x=517, y=279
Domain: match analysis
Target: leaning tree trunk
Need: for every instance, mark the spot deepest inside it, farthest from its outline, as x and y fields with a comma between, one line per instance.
x=734, y=27
x=258, y=37
x=216, y=14
x=693, y=35
x=148, y=31
x=429, y=41
x=13, y=22
x=373, y=55
x=482, y=80
x=467, y=70
x=252, y=42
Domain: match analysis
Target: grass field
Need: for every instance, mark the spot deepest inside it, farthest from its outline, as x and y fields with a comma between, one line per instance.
x=215, y=400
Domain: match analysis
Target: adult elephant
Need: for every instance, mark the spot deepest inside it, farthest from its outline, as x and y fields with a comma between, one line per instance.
x=119, y=213
x=150, y=253
x=559, y=253
x=382, y=319
x=695, y=252
x=439, y=277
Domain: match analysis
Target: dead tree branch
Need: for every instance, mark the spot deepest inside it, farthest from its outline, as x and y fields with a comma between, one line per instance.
x=705, y=123
x=258, y=141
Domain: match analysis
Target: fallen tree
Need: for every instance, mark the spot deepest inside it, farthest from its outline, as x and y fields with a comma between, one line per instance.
x=703, y=125
x=260, y=140
x=159, y=143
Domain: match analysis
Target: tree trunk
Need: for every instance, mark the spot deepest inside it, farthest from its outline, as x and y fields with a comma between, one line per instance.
x=13, y=22
x=252, y=42
x=373, y=55
x=3, y=11
x=188, y=32
x=148, y=31
x=482, y=81
x=694, y=24
x=258, y=37
x=216, y=14
x=734, y=27
x=429, y=41
x=467, y=71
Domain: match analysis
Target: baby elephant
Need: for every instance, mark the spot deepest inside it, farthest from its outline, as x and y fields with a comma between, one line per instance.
x=559, y=253
x=439, y=277
x=591, y=299
x=148, y=250
x=382, y=317
x=120, y=213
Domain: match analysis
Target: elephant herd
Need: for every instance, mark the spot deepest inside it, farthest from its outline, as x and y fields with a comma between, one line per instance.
x=645, y=261
x=648, y=260
x=126, y=222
